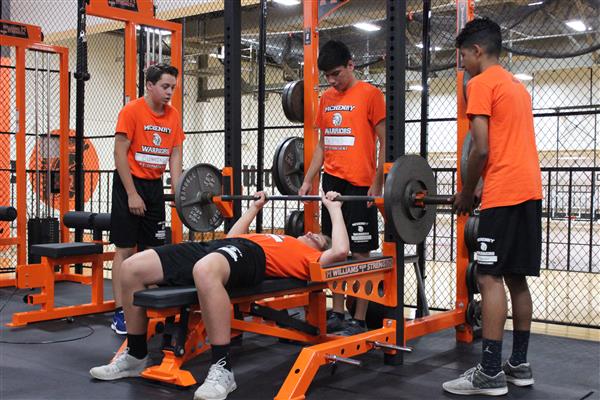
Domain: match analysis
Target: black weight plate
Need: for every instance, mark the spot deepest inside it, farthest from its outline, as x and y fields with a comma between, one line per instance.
x=274, y=169
x=471, y=277
x=196, y=215
x=288, y=166
x=294, y=223
x=473, y=315
x=412, y=224
x=471, y=228
x=298, y=227
x=292, y=101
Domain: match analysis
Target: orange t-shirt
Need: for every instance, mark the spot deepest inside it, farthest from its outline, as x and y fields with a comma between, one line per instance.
x=512, y=174
x=152, y=137
x=347, y=122
x=285, y=256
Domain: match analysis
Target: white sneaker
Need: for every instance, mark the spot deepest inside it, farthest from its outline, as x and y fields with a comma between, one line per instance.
x=122, y=366
x=218, y=384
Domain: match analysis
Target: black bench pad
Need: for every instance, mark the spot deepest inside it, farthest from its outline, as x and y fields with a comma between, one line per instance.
x=166, y=297
x=56, y=250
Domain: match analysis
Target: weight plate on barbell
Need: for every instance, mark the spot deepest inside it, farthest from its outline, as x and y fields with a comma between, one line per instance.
x=292, y=101
x=288, y=165
x=196, y=215
x=408, y=172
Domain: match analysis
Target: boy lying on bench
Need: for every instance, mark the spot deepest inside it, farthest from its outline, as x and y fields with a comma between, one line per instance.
x=240, y=260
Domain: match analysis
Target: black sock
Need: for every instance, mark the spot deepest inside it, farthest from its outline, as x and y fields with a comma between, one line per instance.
x=138, y=346
x=118, y=309
x=491, y=357
x=221, y=352
x=519, y=350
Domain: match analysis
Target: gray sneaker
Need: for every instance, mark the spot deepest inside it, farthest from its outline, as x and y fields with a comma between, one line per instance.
x=520, y=375
x=474, y=381
x=351, y=328
x=335, y=322
x=218, y=384
x=122, y=366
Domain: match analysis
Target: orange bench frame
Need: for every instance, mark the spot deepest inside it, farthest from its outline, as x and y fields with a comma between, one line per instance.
x=44, y=276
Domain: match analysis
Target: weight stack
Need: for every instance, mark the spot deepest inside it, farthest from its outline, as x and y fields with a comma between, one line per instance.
x=40, y=231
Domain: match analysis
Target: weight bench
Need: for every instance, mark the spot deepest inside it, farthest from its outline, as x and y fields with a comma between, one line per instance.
x=174, y=311
x=44, y=275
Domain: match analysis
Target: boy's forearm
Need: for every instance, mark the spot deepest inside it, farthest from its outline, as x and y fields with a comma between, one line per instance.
x=124, y=172
x=339, y=234
x=243, y=223
x=315, y=164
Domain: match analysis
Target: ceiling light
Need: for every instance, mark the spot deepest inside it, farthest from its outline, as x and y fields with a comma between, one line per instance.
x=415, y=88
x=366, y=26
x=287, y=2
x=523, y=77
x=155, y=30
x=535, y=3
x=434, y=48
x=577, y=25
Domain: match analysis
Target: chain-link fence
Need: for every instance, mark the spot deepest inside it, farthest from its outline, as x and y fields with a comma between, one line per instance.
x=8, y=129
x=552, y=46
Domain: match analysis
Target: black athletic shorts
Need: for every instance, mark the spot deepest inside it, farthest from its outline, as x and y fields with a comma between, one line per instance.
x=509, y=239
x=128, y=230
x=360, y=220
x=246, y=261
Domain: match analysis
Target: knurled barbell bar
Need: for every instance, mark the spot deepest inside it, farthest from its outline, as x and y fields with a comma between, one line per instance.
x=419, y=199
x=409, y=199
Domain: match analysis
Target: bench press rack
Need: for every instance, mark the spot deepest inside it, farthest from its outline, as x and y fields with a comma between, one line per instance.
x=378, y=280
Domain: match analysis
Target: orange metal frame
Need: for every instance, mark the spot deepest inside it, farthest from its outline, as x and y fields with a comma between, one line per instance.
x=43, y=276
x=144, y=16
x=32, y=41
x=311, y=103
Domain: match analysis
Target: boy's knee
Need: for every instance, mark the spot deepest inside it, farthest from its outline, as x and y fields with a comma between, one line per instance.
x=131, y=271
x=207, y=273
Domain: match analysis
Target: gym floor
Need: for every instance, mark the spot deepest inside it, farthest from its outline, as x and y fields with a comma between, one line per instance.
x=50, y=360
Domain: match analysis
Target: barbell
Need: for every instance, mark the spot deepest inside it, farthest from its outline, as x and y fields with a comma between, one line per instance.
x=409, y=200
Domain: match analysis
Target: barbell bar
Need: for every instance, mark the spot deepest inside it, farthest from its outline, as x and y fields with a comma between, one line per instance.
x=409, y=200
x=419, y=199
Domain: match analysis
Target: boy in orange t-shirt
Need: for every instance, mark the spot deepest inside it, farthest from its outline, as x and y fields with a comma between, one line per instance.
x=351, y=119
x=509, y=237
x=240, y=260
x=148, y=137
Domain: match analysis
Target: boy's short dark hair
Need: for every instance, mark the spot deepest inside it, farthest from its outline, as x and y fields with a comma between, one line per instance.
x=156, y=71
x=333, y=54
x=484, y=32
